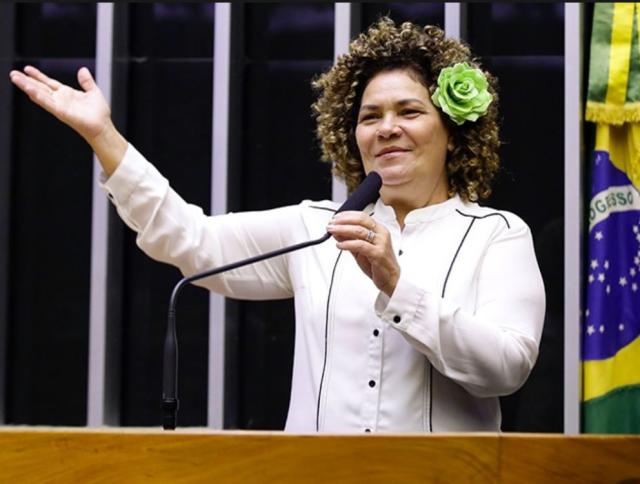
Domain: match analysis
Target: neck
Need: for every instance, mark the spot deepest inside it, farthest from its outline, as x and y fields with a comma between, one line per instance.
x=402, y=207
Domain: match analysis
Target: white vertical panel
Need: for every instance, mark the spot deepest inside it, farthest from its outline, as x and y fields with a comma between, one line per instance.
x=453, y=20
x=219, y=162
x=341, y=39
x=573, y=193
x=99, y=233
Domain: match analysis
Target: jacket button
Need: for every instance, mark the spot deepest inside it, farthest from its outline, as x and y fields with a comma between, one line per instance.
x=376, y=332
x=372, y=383
x=397, y=319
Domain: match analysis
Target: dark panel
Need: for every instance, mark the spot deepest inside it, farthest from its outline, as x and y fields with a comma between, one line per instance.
x=530, y=70
x=53, y=29
x=169, y=120
x=281, y=156
x=516, y=28
x=532, y=130
x=533, y=157
x=50, y=262
x=7, y=15
x=418, y=13
x=172, y=30
x=281, y=167
x=274, y=161
x=162, y=95
x=289, y=31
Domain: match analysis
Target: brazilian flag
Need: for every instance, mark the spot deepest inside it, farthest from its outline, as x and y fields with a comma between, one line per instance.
x=611, y=324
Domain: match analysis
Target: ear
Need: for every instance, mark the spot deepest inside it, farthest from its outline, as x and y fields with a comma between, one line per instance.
x=450, y=145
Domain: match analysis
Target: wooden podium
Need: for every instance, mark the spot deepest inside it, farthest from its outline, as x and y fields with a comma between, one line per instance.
x=35, y=454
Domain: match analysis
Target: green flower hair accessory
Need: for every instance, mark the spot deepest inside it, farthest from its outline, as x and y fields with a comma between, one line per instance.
x=462, y=93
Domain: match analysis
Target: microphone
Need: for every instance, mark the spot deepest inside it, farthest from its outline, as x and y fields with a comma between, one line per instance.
x=363, y=195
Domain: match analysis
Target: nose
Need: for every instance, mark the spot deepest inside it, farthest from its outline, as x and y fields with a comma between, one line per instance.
x=388, y=127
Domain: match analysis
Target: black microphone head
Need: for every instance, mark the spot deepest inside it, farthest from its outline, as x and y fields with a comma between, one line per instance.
x=364, y=194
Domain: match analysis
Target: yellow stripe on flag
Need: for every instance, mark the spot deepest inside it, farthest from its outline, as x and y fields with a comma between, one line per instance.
x=623, y=145
x=602, y=376
x=637, y=14
x=620, y=52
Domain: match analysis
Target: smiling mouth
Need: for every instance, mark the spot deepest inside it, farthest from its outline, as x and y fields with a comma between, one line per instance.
x=391, y=153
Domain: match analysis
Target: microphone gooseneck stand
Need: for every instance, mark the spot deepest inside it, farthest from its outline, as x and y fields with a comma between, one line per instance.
x=363, y=195
x=170, y=402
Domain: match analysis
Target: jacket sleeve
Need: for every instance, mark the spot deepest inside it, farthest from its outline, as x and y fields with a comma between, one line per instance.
x=173, y=231
x=491, y=349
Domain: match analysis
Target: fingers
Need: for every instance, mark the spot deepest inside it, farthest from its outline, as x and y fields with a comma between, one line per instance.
x=377, y=261
x=352, y=232
x=52, y=84
x=359, y=247
x=354, y=218
x=85, y=79
x=359, y=239
x=371, y=246
x=37, y=91
x=20, y=80
x=353, y=225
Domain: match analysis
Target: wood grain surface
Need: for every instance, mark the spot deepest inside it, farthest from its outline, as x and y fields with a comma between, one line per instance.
x=29, y=454
x=575, y=459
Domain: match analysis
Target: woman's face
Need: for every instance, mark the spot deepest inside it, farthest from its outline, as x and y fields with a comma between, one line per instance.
x=401, y=135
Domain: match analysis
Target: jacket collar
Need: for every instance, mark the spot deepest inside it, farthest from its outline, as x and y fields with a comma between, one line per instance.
x=424, y=214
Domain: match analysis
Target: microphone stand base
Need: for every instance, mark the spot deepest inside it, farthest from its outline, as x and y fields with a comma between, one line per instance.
x=170, y=410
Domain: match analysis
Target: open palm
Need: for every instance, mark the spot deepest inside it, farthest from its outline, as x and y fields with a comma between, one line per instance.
x=86, y=110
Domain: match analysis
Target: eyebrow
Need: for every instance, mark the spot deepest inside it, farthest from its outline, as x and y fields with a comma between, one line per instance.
x=402, y=102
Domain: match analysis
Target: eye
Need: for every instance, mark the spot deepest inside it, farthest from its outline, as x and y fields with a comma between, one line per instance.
x=410, y=112
x=367, y=117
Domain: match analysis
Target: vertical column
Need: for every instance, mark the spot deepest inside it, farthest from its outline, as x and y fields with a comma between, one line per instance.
x=99, y=234
x=341, y=38
x=573, y=216
x=7, y=15
x=219, y=160
x=455, y=20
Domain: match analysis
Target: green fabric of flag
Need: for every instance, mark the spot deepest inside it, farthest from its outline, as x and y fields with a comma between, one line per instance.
x=614, y=67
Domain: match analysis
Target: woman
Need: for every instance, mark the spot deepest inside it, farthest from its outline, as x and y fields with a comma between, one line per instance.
x=439, y=310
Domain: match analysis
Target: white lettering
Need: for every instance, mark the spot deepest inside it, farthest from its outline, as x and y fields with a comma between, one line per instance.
x=613, y=199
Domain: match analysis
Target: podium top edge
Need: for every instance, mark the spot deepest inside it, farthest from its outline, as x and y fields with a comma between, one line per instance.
x=284, y=435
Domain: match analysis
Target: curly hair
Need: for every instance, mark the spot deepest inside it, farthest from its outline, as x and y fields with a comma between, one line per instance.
x=472, y=163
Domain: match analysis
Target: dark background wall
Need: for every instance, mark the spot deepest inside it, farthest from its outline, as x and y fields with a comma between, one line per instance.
x=162, y=97
x=49, y=225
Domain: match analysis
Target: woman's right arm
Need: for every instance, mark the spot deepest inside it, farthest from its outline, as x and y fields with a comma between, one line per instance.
x=171, y=230
x=86, y=112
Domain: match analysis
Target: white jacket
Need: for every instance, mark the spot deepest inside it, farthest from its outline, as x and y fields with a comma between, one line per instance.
x=462, y=327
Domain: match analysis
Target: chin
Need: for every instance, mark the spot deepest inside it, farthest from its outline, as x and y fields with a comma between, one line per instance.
x=393, y=182
x=392, y=176
x=392, y=193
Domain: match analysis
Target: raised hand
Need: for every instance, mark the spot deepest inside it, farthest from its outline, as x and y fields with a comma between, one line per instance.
x=86, y=111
